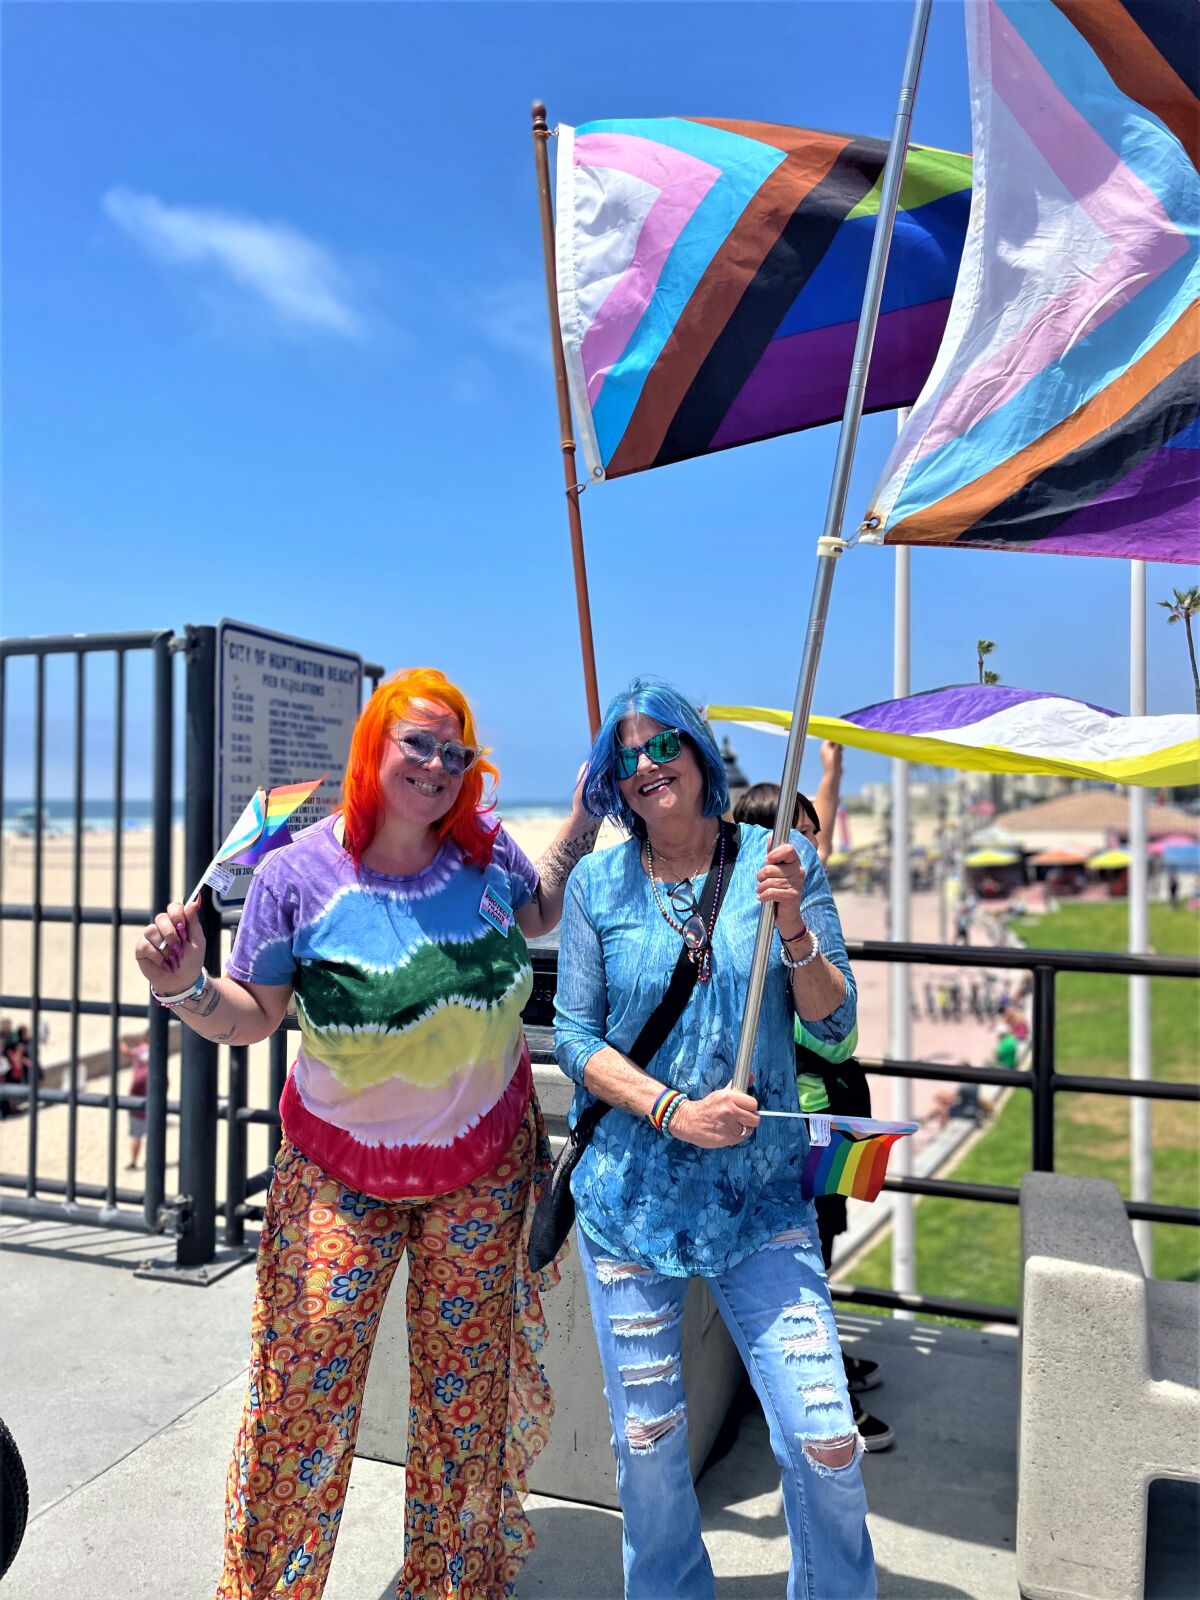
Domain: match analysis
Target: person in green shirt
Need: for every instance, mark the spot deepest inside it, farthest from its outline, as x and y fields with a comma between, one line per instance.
x=1007, y=1049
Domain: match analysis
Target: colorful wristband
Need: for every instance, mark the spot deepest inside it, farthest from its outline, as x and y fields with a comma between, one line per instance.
x=661, y=1108
x=170, y=1001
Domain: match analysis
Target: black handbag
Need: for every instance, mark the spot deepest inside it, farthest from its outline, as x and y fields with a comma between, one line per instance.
x=555, y=1210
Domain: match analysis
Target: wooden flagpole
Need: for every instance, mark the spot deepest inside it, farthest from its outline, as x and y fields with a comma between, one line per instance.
x=541, y=158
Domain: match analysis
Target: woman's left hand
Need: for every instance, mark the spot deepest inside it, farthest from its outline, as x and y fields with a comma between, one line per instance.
x=781, y=881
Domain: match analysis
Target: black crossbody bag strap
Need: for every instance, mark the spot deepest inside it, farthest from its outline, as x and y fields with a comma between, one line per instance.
x=683, y=980
x=555, y=1209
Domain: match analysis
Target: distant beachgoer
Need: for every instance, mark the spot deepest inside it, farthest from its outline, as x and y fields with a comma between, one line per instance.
x=12, y=1072
x=410, y=1125
x=1017, y=1024
x=1007, y=1048
x=962, y=1101
x=24, y=1059
x=139, y=1054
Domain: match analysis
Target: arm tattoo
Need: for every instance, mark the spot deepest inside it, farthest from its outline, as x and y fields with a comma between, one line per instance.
x=211, y=1002
x=555, y=866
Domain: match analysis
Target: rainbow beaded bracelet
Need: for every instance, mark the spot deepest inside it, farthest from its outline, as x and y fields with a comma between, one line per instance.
x=669, y=1113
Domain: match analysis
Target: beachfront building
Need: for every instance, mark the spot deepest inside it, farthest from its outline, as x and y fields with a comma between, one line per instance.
x=1089, y=821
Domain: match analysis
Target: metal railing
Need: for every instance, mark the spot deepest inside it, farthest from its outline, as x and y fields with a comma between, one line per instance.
x=214, y=1086
x=84, y=648
x=191, y=1214
x=1042, y=1081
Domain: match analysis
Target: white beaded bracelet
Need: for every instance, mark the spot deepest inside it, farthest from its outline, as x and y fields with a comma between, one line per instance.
x=794, y=966
x=196, y=990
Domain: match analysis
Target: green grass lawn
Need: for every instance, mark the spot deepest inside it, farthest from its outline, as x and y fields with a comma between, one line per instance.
x=970, y=1251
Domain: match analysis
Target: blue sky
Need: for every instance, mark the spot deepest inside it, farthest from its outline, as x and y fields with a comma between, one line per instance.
x=275, y=347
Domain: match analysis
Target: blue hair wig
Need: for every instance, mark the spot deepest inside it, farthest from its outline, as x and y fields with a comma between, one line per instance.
x=650, y=697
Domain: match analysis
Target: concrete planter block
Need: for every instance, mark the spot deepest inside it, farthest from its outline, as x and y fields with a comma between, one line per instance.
x=1110, y=1392
x=578, y=1462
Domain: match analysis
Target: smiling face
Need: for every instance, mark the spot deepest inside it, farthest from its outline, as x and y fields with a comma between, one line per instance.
x=411, y=792
x=668, y=794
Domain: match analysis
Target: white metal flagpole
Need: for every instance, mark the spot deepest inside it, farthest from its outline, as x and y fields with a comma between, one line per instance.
x=904, y=1259
x=830, y=545
x=1140, y=1175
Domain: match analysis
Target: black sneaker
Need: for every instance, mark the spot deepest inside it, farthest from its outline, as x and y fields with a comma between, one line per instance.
x=860, y=1374
x=876, y=1434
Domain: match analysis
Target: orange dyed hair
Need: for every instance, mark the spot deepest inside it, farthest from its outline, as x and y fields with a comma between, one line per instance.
x=409, y=695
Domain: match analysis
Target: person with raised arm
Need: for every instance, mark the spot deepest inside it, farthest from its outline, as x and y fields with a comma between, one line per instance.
x=410, y=1127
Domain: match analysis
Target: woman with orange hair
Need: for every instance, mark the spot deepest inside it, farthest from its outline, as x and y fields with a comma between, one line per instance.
x=410, y=1128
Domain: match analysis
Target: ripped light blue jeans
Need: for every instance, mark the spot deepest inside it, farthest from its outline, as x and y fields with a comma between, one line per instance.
x=776, y=1306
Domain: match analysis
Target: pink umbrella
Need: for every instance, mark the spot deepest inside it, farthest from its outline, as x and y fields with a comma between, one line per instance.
x=1168, y=842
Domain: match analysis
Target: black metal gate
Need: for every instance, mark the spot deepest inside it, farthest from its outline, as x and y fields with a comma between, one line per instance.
x=192, y=1209
x=61, y=1194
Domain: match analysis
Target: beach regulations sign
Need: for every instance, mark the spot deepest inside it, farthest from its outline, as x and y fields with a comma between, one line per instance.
x=285, y=711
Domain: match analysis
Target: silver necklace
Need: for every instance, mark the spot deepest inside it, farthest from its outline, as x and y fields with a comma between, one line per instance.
x=696, y=935
x=673, y=860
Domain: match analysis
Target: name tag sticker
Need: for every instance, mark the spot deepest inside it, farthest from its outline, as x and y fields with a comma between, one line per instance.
x=495, y=911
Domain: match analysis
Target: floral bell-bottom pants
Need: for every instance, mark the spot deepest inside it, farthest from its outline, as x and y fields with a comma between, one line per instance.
x=480, y=1403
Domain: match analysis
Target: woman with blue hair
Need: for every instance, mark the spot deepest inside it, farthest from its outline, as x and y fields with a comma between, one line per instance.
x=681, y=1178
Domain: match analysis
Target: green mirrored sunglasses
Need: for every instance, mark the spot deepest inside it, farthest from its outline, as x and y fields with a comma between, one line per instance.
x=660, y=747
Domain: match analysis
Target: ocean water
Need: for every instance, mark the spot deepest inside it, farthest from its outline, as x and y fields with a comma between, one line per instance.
x=59, y=814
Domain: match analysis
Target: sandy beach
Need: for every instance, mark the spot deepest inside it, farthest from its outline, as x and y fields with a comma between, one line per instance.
x=107, y=968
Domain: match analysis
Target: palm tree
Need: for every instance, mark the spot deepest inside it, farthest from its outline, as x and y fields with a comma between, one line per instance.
x=990, y=677
x=1182, y=609
x=983, y=647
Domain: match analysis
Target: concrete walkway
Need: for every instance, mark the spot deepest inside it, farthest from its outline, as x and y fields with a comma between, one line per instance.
x=123, y=1395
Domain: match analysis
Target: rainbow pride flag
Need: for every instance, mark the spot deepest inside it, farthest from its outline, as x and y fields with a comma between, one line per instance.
x=711, y=274
x=263, y=826
x=853, y=1161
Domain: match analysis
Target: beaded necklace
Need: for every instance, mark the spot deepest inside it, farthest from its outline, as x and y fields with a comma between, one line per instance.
x=696, y=935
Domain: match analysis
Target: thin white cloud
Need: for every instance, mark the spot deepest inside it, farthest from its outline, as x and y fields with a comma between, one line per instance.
x=298, y=278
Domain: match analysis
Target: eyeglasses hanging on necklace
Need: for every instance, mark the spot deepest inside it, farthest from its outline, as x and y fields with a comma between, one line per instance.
x=696, y=935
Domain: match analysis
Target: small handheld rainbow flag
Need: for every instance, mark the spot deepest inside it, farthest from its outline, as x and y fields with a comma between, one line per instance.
x=849, y=1155
x=261, y=828
x=846, y=1155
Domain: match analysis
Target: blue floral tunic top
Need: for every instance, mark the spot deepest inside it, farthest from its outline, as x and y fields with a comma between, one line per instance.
x=662, y=1202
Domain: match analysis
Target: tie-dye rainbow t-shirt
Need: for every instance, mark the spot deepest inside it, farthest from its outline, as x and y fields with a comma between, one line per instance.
x=412, y=1075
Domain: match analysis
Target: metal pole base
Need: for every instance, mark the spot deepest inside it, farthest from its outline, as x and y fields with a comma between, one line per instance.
x=166, y=1270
